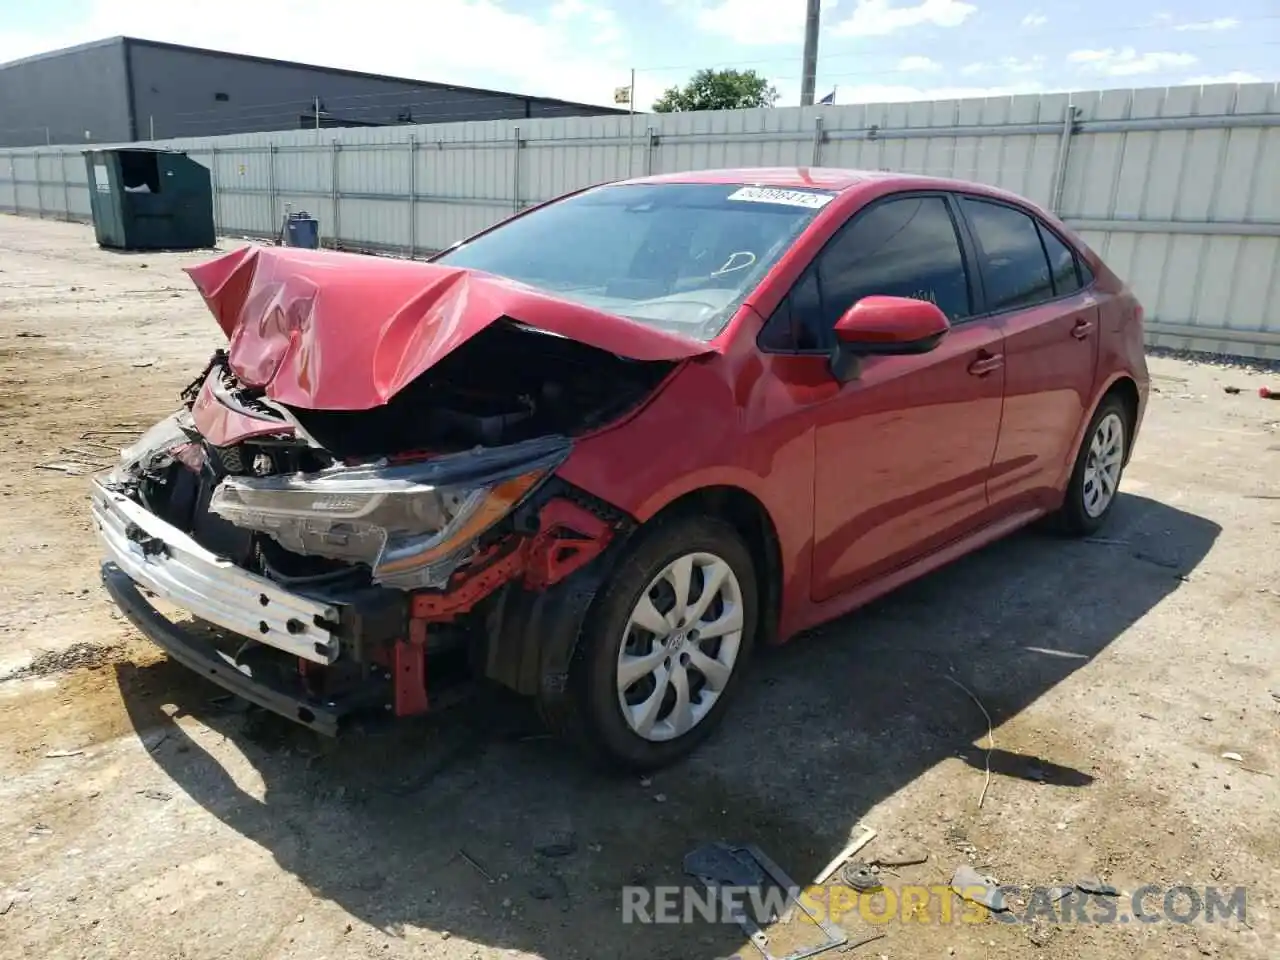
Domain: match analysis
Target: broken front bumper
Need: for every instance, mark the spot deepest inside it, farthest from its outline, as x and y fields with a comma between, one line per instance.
x=165, y=561
x=207, y=660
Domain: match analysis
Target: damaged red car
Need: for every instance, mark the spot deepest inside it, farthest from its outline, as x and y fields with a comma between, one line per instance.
x=613, y=444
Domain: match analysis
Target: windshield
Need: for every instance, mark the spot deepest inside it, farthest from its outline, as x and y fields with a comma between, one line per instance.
x=677, y=256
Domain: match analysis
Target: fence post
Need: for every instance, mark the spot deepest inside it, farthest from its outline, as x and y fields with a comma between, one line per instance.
x=66, y=187
x=650, y=141
x=271, y=189
x=334, y=148
x=818, y=137
x=515, y=176
x=13, y=182
x=413, y=197
x=39, y=189
x=217, y=199
x=1060, y=163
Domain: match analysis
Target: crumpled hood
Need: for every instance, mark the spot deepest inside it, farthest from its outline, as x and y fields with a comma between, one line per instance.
x=335, y=331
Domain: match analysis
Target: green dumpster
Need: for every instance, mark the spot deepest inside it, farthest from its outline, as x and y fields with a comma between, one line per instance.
x=150, y=200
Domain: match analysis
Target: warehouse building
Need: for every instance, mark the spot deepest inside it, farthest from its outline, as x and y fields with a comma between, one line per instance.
x=125, y=89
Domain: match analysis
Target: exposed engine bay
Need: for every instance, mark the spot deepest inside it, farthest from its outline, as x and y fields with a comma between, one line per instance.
x=317, y=498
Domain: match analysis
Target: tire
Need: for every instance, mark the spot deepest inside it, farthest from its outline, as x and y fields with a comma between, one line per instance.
x=1088, y=503
x=591, y=712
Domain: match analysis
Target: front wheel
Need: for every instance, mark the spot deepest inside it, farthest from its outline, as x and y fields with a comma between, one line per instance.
x=665, y=648
x=1095, y=481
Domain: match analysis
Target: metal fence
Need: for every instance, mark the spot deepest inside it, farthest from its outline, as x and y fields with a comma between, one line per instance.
x=1178, y=189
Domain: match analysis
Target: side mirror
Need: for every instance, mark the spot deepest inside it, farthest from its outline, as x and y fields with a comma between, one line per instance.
x=885, y=326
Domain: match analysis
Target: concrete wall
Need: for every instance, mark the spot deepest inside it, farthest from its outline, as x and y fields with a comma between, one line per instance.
x=57, y=98
x=1178, y=189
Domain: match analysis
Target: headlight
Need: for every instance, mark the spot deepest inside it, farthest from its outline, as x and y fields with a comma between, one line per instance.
x=411, y=524
x=161, y=440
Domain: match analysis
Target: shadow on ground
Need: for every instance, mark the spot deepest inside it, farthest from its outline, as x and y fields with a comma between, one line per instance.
x=828, y=727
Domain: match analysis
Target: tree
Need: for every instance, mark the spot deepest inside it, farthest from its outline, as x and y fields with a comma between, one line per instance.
x=718, y=90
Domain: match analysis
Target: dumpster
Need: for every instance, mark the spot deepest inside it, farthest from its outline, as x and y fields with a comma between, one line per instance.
x=302, y=230
x=150, y=200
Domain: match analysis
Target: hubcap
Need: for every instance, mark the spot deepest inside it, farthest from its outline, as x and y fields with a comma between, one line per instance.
x=1102, y=468
x=680, y=646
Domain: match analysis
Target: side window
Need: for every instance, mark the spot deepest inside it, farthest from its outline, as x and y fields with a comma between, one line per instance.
x=904, y=247
x=1015, y=270
x=1062, y=262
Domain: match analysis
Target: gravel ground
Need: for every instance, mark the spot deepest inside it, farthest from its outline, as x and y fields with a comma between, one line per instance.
x=142, y=816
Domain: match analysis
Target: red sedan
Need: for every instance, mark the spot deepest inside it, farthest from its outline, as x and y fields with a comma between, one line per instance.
x=611, y=445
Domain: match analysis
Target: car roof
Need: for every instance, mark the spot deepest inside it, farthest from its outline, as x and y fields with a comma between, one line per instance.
x=828, y=178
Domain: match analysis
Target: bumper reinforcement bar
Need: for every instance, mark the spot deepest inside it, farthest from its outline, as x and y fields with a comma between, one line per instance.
x=207, y=660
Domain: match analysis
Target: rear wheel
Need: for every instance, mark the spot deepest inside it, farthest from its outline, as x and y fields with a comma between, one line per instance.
x=1095, y=481
x=665, y=648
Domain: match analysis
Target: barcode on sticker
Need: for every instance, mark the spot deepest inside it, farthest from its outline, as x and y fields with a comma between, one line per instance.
x=790, y=198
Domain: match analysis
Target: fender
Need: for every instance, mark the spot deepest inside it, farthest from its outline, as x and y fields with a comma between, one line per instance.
x=1064, y=477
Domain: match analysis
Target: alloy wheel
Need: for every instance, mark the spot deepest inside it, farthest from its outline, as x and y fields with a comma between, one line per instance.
x=1103, y=465
x=680, y=646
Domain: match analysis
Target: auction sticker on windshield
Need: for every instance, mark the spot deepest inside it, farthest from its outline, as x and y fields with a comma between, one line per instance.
x=789, y=198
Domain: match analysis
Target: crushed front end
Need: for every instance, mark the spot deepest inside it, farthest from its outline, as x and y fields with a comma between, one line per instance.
x=319, y=583
x=366, y=479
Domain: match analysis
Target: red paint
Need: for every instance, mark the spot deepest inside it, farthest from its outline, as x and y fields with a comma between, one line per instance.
x=920, y=460
x=468, y=586
x=222, y=426
x=568, y=538
x=891, y=320
x=337, y=331
x=409, y=672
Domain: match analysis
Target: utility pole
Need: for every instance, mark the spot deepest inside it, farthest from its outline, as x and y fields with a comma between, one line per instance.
x=151, y=121
x=809, y=72
x=631, y=94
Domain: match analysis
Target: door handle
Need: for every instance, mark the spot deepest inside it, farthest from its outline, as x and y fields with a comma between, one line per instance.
x=1082, y=329
x=987, y=363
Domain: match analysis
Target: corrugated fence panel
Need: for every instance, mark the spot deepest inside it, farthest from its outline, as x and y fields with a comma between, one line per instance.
x=1178, y=189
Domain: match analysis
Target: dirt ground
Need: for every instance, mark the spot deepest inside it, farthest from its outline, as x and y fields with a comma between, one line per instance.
x=141, y=816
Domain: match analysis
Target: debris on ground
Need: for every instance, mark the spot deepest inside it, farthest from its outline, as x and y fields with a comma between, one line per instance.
x=86, y=656
x=1233, y=756
x=852, y=847
x=991, y=736
x=475, y=864
x=561, y=843
x=61, y=754
x=719, y=865
x=969, y=884
x=860, y=876
x=1095, y=886
x=153, y=794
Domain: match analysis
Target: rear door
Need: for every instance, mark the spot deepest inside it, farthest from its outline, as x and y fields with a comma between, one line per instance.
x=1033, y=283
x=903, y=452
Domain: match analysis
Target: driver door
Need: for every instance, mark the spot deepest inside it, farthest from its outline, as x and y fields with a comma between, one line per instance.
x=903, y=452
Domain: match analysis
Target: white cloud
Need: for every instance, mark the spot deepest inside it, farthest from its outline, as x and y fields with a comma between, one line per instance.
x=1128, y=62
x=878, y=18
x=1035, y=19
x=574, y=50
x=918, y=65
x=1222, y=23
x=1235, y=76
x=1005, y=64
x=751, y=22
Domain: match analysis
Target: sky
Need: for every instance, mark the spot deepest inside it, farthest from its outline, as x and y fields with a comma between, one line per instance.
x=869, y=50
